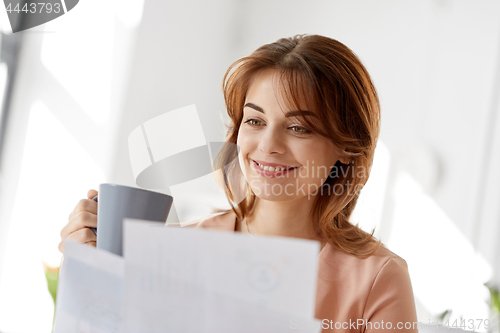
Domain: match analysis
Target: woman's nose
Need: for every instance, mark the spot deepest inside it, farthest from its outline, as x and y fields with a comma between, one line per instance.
x=272, y=141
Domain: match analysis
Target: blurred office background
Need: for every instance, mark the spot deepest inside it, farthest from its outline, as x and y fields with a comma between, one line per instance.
x=72, y=91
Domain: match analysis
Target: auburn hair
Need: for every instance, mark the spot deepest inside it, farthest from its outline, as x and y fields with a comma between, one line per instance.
x=327, y=77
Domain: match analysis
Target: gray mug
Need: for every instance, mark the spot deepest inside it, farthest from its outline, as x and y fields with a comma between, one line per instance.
x=117, y=202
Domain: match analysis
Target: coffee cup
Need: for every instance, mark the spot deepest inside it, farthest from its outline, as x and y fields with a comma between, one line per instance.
x=117, y=202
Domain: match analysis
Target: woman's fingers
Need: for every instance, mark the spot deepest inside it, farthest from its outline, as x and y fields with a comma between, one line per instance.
x=84, y=236
x=80, y=220
x=91, y=194
x=84, y=205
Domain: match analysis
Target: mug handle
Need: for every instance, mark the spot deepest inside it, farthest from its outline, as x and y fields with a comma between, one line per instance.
x=94, y=229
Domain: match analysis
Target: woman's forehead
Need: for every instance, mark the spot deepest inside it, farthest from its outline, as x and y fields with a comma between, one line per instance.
x=291, y=91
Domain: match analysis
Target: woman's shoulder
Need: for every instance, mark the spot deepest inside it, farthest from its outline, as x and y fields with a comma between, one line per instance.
x=334, y=260
x=375, y=288
x=220, y=221
x=383, y=256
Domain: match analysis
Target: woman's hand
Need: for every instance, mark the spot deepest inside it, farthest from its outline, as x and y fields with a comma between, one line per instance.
x=83, y=217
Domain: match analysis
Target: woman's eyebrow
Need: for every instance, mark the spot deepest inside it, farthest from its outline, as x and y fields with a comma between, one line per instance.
x=288, y=114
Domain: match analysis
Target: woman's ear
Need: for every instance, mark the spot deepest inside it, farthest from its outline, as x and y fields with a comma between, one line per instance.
x=345, y=160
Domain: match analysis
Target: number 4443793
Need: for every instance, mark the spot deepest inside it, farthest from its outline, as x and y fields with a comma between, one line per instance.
x=35, y=8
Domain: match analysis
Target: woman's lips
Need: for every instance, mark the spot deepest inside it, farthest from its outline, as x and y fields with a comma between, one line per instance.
x=269, y=164
x=270, y=174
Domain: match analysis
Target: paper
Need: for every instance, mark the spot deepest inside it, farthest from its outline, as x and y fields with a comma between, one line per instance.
x=90, y=295
x=189, y=280
x=203, y=311
x=195, y=280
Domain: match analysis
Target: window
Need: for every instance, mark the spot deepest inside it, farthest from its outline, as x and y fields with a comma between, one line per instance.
x=9, y=50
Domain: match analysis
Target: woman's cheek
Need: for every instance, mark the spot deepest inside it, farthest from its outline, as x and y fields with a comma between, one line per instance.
x=242, y=163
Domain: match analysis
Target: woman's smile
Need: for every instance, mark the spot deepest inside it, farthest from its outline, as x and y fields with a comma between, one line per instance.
x=270, y=170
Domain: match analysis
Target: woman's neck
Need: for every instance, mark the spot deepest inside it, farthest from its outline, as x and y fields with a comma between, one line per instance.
x=281, y=218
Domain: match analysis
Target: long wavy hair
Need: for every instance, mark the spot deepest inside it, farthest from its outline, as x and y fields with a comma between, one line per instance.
x=327, y=76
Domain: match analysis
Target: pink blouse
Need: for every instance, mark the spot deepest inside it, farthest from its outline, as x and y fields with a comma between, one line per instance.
x=353, y=295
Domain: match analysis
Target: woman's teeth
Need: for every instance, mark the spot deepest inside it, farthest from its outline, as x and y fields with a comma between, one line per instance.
x=268, y=168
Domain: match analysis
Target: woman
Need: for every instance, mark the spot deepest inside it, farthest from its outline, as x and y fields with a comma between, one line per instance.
x=305, y=116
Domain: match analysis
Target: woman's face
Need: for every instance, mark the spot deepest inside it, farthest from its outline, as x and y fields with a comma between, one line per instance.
x=270, y=137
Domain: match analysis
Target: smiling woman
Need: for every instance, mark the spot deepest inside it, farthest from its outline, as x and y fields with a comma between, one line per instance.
x=305, y=117
x=309, y=103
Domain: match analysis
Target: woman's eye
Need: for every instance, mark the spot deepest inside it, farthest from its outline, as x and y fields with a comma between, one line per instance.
x=296, y=129
x=300, y=130
x=253, y=122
